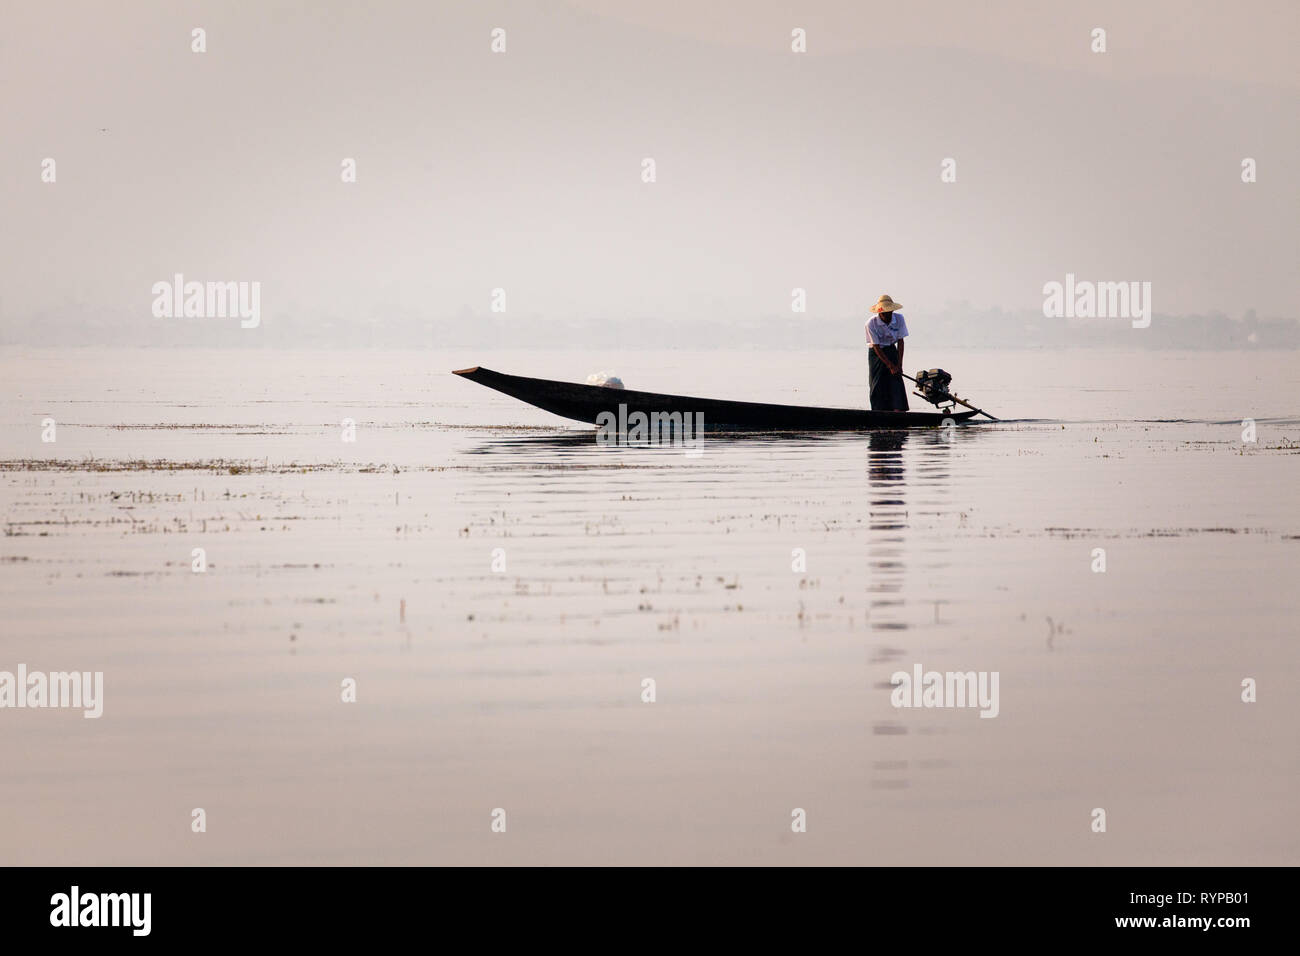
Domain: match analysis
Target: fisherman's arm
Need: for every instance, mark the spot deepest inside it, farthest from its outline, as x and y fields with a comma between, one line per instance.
x=880, y=353
x=899, y=370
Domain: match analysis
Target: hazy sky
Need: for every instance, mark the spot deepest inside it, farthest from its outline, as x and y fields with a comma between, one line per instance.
x=522, y=170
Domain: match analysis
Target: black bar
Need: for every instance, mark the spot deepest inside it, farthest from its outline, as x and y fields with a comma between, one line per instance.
x=330, y=905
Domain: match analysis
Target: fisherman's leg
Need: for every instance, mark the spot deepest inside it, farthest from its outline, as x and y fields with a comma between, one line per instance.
x=900, y=389
x=878, y=381
x=900, y=394
x=893, y=390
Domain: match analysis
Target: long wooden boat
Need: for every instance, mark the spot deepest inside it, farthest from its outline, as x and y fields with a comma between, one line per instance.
x=585, y=402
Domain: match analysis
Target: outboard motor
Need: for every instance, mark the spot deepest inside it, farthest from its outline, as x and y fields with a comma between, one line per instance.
x=932, y=385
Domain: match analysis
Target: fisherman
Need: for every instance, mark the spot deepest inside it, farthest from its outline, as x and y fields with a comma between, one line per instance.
x=885, y=333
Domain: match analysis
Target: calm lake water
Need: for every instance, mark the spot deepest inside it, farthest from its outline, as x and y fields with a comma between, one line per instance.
x=521, y=688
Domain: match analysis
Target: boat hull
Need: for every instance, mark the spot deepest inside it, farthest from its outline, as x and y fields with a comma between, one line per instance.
x=585, y=403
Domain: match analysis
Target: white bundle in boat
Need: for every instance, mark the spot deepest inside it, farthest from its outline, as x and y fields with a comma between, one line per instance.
x=606, y=379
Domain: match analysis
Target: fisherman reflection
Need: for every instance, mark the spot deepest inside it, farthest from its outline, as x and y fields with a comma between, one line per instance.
x=887, y=515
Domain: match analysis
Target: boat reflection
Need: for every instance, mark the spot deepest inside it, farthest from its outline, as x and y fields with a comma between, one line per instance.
x=880, y=442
